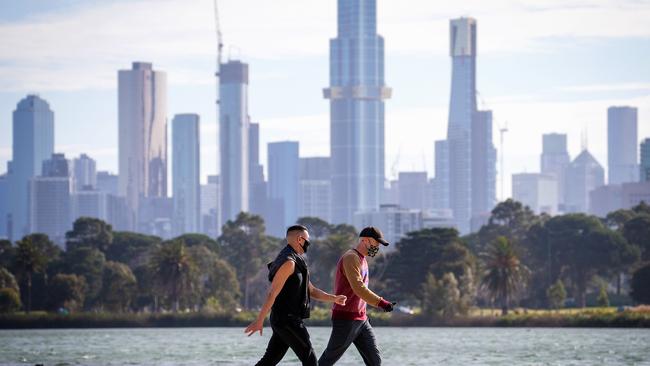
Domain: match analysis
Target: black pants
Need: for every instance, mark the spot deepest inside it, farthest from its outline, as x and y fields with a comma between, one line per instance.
x=288, y=333
x=346, y=332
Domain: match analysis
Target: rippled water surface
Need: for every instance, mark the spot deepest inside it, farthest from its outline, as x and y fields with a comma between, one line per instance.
x=400, y=346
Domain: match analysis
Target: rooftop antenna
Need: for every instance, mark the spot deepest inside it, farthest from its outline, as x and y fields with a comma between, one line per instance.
x=584, y=142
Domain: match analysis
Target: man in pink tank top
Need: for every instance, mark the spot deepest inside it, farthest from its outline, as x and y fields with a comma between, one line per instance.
x=350, y=322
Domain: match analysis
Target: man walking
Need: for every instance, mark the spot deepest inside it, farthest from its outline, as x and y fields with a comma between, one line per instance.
x=288, y=300
x=349, y=321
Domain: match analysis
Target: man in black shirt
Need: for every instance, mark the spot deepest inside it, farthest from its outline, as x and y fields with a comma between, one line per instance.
x=288, y=300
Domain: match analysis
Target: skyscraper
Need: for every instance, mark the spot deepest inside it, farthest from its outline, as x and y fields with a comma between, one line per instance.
x=186, y=165
x=142, y=113
x=4, y=205
x=210, y=206
x=315, y=198
x=107, y=182
x=233, y=139
x=284, y=173
x=395, y=222
x=537, y=191
x=612, y=197
x=33, y=143
x=484, y=160
x=256, y=183
x=583, y=175
x=356, y=93
x=84, y=171
x=89, y=202
x=555, y=160
x=412, y=190
x=622, y=146
x=645, y=161
x=441, y=180
x=49, y=199
x=462, y=106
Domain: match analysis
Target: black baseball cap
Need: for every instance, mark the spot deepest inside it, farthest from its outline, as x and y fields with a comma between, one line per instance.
x=373, y=232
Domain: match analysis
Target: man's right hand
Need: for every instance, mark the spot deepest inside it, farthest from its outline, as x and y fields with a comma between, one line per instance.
x=386, y=306
x=255, y=326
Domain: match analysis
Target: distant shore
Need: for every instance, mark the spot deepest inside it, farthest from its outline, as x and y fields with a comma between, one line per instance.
x=582, y=319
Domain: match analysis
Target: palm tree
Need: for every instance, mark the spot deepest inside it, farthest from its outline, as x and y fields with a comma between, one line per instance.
x=174, y=271
x=504, y=274
x=30, y=259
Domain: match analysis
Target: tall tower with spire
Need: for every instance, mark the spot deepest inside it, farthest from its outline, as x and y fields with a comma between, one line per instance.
x=357, y=92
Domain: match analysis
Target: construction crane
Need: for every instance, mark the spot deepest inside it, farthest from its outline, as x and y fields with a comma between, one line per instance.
x=217, y=74
x=219, y=49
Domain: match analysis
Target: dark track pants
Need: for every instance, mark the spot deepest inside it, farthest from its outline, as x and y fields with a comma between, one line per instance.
x=346, y=332
x=290, y=333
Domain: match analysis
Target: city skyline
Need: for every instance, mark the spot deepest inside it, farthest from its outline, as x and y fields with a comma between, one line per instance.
x=582, y=101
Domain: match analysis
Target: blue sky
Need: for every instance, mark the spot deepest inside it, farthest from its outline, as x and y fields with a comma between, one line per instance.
x=543, y=66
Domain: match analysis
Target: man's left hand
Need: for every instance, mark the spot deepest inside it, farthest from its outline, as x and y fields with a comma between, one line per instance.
x=340, y=299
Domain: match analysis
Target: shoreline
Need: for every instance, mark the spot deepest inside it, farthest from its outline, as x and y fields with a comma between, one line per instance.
x=190, y=320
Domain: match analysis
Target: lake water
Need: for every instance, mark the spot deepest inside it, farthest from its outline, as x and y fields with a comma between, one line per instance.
x=400, y=346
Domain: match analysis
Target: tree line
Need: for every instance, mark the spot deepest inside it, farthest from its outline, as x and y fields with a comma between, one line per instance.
x=516, y=259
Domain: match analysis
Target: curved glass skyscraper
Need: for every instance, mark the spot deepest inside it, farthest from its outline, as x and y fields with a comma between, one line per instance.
x=356, y=93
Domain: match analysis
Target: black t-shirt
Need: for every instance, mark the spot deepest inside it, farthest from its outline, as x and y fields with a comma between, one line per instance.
x=293, y=299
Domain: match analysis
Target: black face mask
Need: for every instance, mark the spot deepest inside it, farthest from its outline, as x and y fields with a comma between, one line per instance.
x=306, y=245
x=372, y=250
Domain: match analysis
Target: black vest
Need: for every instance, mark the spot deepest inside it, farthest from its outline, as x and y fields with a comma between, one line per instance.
x=293, y=299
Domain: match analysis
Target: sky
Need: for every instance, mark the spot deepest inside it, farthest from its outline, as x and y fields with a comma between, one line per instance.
x=543, y=66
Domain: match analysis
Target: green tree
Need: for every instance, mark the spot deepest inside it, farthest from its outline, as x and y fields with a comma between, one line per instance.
x=450, y=295
x=467, y=288
x=318, y=228
x=222, y=285
x=118, y=287
x=193, y=239
x=325, y=253
x=66, y=291
x=642, y=208
x=436, y=251
x=512, y=215
x=133, y=249
x=556, y=295
x=89, y=263
x=637, y=232
x=616, y=219
x=7, y=280
x=509, y=218
x=89, y=232
x=32, y=255
x=7, y=253
x=146, y=294
x=431, y=296
x=603, y=298
x=640, y=285
x=504, y=275
x=9, y=300
x=441, y=298
x=582, y=246
x=245, y=246
x=174, y=272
